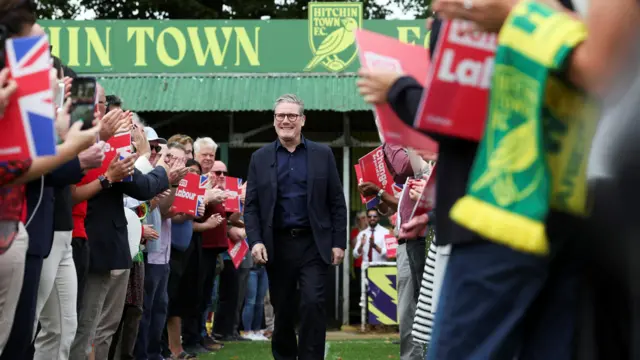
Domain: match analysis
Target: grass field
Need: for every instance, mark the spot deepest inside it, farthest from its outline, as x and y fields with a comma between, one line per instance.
x=373, y=349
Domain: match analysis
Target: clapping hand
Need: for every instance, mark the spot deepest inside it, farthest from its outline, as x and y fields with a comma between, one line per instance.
x=92, y=157
x=215, y=196
x=149, y=233
x=177, y=171
x=120, y=169
x=111, y=123
x=139, y=140
x=214, y=221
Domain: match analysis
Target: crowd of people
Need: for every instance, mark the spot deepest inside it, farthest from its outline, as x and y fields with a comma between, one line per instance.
x=73, y=287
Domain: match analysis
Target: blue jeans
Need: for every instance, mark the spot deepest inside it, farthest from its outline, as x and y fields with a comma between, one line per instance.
x=500, y=304
x=154, y=316
x=254, y=301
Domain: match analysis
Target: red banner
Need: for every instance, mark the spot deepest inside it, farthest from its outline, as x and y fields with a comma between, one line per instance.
x=391, y=243
x=238, y=251
x=232, y=187
x=386, y=53
x=374, y=170
x=118, y=144
x=455, y=104
x=190, y=194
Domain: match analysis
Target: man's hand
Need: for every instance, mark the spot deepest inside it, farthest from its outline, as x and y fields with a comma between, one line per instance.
x=149, y=233
x=92, y=157
x=139, y=140
x=78, y=139
x=214, y=221
x=63, y=120
x=243, y=192
x=177, y=171
x=110, y=124
x=259, y=254
x=375, y=84
x=368, y=189
x=236, y=234
x=120, y=169
x=7, y=88
x=415, y=189
x=413, y=227
x=337, y=255
x=215, y=196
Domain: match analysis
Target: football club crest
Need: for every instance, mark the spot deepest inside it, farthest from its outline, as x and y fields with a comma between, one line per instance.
x=332, y=28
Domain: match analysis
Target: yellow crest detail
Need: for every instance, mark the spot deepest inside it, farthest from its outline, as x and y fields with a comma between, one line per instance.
x=332, y=28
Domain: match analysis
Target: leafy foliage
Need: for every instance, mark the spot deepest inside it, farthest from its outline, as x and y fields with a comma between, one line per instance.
x=210, y=9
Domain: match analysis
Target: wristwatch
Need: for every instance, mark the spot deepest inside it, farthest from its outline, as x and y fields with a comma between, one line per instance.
x=379, y=195
x=104, y=182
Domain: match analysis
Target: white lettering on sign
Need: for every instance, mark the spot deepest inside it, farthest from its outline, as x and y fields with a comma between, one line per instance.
x=380, y=62
x=183, y=183
x=459, y=34
x=467, y=72
x=378, y=163
x=439, y=120
x=185, y=194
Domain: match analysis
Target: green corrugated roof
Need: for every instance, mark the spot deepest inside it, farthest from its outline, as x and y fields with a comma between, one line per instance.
x=243, y=92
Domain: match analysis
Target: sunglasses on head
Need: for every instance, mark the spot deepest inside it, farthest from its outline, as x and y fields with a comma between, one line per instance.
x=219, y=173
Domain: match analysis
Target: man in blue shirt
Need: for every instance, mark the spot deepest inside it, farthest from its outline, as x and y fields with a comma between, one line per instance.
x=295, y=217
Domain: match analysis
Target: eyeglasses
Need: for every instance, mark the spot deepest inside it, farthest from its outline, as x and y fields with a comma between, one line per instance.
x=372, y=216
x=219, y=173
x=291, y=117
x=156, y=148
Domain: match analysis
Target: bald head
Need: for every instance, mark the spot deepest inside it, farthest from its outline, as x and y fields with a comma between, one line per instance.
x=219, y=172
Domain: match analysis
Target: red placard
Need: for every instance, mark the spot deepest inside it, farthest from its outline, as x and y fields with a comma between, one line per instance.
x=28, y=129
x=359, y=181
x=237, y=251
x=374, y=170
x=190, y=194
x=118, y=144
x=382, y=52
x=232, y=187
x=391, y=243
x=455, y=104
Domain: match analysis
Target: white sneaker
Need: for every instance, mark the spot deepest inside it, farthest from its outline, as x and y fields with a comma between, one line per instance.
x=260, y=337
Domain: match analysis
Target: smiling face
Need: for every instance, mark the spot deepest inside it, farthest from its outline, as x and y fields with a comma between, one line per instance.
x=173, y=155
x=206, y=157
x=288, y=121
x=372, y=217
x=219, y=174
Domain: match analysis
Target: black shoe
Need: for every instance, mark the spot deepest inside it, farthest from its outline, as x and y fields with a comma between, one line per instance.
x=196, y=349
x=211, y=344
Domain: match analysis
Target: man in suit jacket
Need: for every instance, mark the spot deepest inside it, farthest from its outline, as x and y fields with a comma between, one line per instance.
x=295, y=217
x=110, y=259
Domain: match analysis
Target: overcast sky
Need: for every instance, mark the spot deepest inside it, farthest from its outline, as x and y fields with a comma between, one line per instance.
x=397, y=13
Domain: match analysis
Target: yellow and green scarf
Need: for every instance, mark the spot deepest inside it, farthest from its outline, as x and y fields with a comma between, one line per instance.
x=533, y=155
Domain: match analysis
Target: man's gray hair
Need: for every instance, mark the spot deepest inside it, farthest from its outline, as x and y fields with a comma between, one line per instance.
x=291, y=99
x=204, y=142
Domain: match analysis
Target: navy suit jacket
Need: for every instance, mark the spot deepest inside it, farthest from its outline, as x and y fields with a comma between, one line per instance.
x=325, y=199
x=106, y=223
x=40, y=228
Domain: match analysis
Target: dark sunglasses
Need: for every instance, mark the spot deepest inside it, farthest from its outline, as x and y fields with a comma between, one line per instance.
x=157, y=148
x=372, y=216
x=218, y=173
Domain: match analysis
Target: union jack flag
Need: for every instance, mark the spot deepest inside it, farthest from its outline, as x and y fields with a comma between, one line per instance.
x=28, y=123
x=204, y=182
x=199, y=202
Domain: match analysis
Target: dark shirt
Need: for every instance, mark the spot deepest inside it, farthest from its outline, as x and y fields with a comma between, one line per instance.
x=62, y=216
x=291, y=204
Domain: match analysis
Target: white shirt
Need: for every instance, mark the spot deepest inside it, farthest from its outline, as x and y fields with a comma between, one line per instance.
x=378, y=236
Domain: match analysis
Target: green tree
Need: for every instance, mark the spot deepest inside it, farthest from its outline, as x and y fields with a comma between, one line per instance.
x=209, y=9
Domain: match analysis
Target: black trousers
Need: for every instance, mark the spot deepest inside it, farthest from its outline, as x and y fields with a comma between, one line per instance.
x=19, y=342
x=228, y=298
x=81, y=260
x=192, y=326
x=297, y=262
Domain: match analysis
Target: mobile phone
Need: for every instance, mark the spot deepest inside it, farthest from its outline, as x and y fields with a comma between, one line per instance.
x=60, y=94
x=83, y=101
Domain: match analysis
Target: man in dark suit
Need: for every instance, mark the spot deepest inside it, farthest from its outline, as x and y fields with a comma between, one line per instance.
x=110, y=258
x=295, y=217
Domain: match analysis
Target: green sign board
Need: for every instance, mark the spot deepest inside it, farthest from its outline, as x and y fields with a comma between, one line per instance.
x=323, y=43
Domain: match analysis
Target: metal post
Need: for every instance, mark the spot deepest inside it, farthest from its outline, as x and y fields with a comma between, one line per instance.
x=346, y=181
